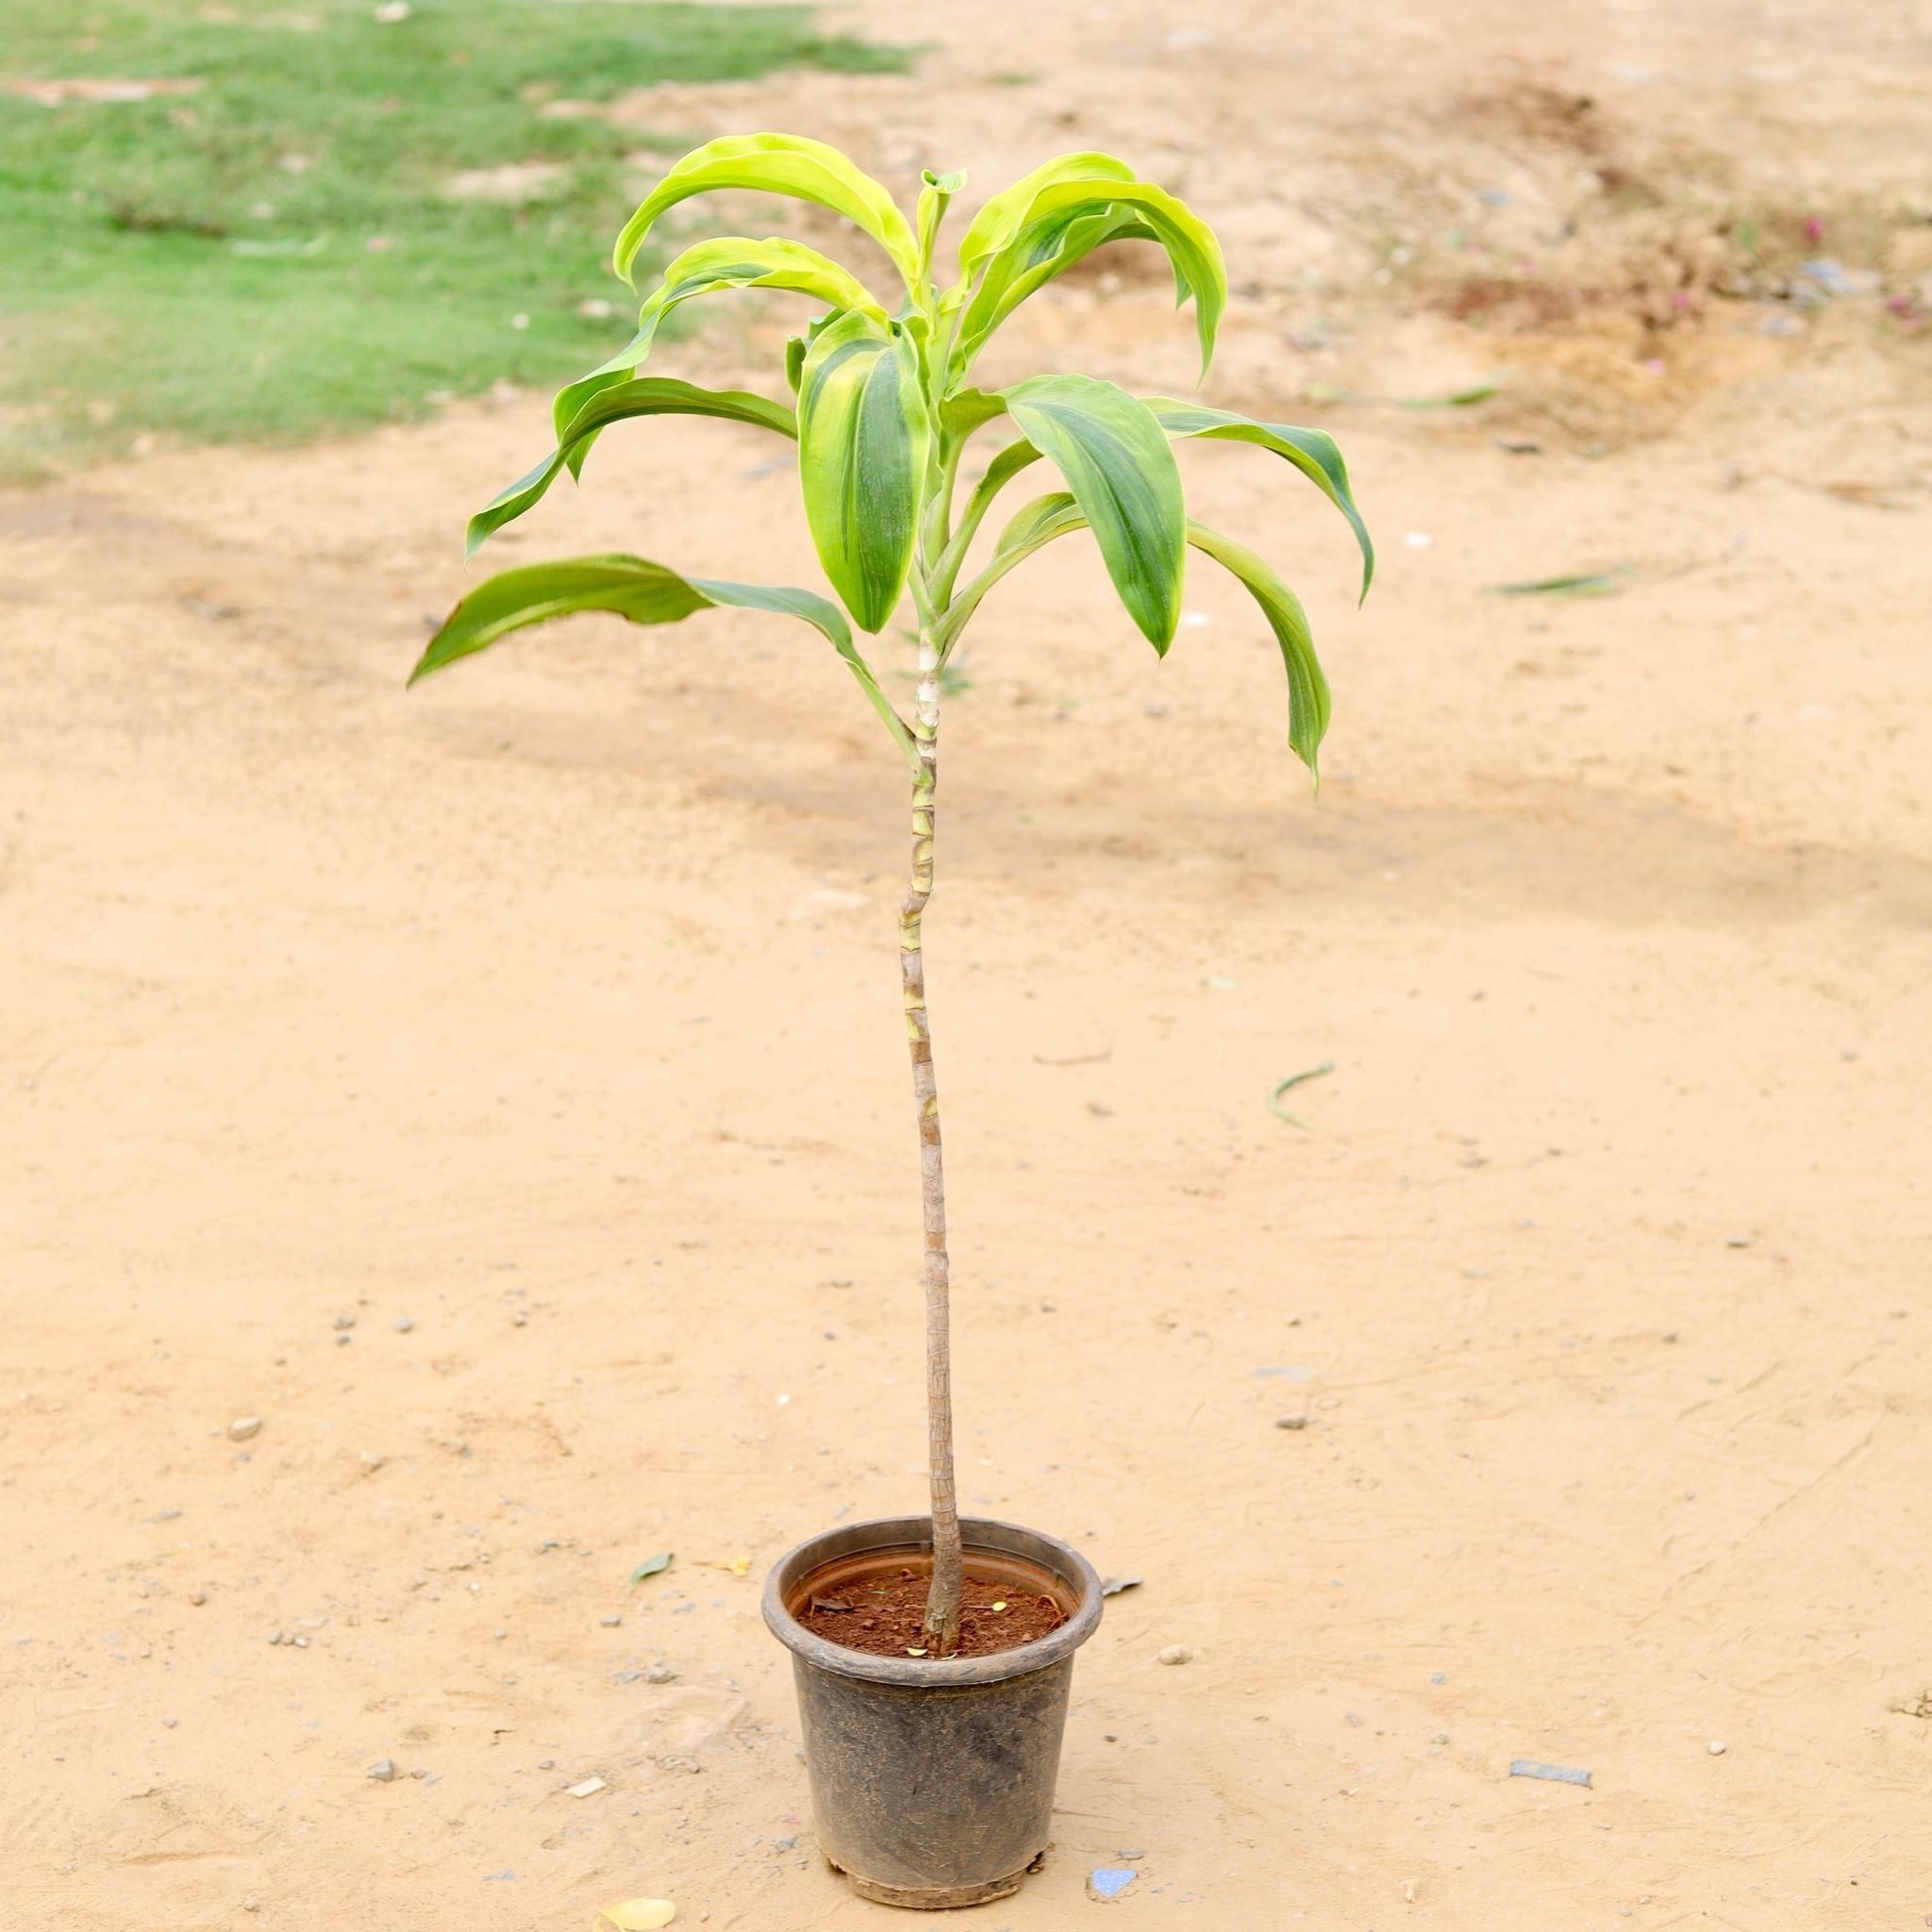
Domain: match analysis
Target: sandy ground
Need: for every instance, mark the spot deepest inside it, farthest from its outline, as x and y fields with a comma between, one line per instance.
x=544, y=1024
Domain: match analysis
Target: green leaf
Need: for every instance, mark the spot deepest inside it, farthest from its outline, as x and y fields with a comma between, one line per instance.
x=994, y=227
x=963, y=413
x=939, y=190
x=648, y=395
x=779, y=164
x=1308, y=690
x=1121, y=469
x=823, y=613
x=1005, y=466
x=1313, y=452
x=1030, y=529
x=651, y=1566
x=1035, y=256
x=1069, y=190
x=863, y=437
x=646, y=593
x=1048, y=517
x=730, y=261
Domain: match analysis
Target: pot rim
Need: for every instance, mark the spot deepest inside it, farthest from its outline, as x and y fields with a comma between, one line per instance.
x=933, y=1674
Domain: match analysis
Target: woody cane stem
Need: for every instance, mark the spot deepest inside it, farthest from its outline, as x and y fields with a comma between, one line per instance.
x=943, y=1605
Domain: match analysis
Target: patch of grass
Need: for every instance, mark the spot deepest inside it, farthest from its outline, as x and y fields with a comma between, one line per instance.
x=272, y=250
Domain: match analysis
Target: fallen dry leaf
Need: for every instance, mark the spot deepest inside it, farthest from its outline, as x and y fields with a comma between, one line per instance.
x=636, y=1915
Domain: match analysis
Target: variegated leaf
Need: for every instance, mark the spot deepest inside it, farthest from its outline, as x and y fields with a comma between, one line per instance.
x=865, y=434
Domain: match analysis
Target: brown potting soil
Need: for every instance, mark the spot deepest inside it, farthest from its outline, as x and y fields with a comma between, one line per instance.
x=882, y=1613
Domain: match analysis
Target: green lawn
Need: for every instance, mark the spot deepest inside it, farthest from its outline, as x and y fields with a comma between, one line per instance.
x=274, y=250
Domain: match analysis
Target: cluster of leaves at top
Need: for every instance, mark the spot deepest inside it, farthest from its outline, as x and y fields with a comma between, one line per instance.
x=886, y=408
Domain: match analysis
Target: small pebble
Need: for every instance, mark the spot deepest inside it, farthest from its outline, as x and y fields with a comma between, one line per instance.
x=546, y=1764
x=244, y=1427
x=610, y=1623
x=589, y=1789
x=168, y=1724
x=343, y=1322
x=1439, y=1676
x=660, y=1673
x=519, y=1320
x=383, y=1771
x=343, y=1341
x=1176, y=1653
x=1716, y=1747
x=1290, y=1422
x=197, y=1598
x=403, y=1324
x=1737, y=1241
x=274, y=1635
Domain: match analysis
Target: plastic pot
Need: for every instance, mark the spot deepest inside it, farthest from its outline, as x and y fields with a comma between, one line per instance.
x=932, y=1780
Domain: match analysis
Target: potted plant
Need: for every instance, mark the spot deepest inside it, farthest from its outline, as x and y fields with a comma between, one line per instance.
x=933, y=1655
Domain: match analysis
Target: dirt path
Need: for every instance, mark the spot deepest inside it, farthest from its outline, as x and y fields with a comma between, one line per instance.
x=545, y=1025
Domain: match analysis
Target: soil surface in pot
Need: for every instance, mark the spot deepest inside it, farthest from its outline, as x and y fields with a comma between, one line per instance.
x=876, y=1602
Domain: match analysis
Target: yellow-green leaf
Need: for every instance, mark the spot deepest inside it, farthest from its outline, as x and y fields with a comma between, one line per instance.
x=730, y=261
x=1307, y=689
x=779, y=164
x=1121, y=469
x=646, y=593
x=1037, y=254
x=1313, y=452
x=937, y=191
x=1009, y=210
x=1048, y=517
x=1037, y=214
x=1030, y=529
x=648, y=395
x=863, y=437
x=1005, y=466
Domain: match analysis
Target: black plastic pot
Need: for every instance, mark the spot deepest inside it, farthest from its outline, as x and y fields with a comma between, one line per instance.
x=932, y=1781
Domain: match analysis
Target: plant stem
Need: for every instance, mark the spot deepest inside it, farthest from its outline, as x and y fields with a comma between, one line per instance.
x=942, y=1604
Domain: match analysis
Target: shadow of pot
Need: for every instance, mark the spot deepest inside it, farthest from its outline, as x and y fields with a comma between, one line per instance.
x=932, y=1780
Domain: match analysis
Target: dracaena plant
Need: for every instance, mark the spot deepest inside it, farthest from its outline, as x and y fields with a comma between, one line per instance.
x=885, y=414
